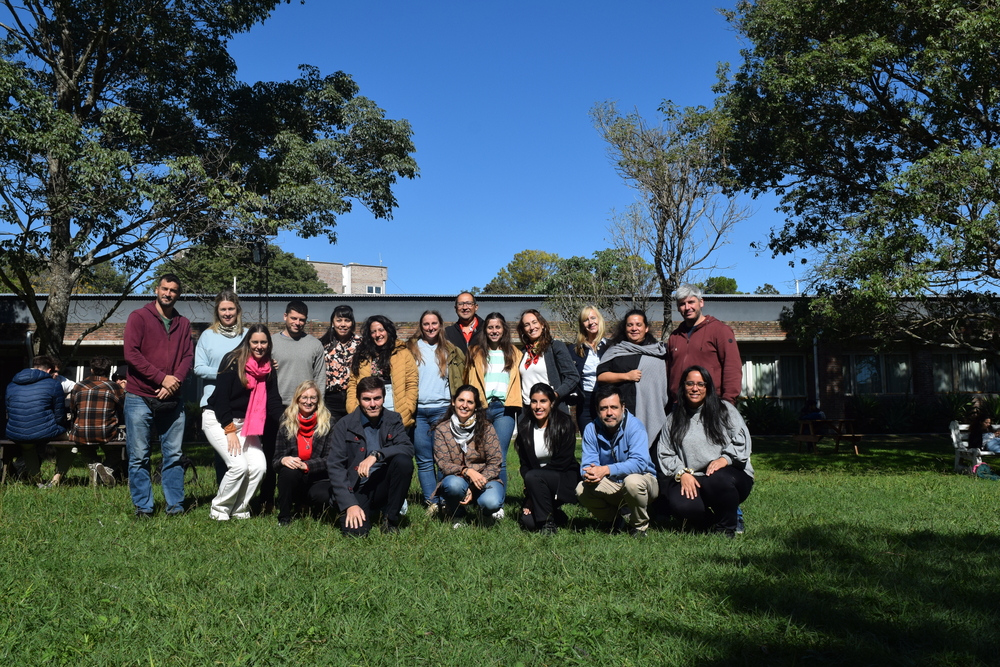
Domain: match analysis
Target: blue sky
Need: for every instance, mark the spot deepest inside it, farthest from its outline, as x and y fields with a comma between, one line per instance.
x=498, y=95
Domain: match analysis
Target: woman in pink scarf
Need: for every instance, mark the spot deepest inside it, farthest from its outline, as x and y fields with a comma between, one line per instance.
x=245, y=397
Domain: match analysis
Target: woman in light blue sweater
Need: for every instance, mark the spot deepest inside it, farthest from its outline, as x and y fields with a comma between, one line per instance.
x=216, y=342
x=704, y=452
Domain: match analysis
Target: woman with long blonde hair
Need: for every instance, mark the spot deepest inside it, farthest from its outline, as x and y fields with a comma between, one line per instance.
x=586, y=353
x=301, y=450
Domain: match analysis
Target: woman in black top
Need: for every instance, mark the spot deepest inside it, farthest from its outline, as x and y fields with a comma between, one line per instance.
x=546, y=445
x=301, y=450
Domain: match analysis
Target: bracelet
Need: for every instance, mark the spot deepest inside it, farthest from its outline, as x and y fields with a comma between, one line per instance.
x=679, y=474
x=229, y=428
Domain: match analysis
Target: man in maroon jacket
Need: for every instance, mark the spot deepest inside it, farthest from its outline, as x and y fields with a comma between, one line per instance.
x=159, y=353
x=702, y=340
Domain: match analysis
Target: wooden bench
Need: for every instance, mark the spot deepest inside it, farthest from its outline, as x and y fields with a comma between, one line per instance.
x=966, y=458
x=6, y=458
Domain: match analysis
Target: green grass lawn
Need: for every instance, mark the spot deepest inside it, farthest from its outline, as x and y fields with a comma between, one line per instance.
x=887, y=558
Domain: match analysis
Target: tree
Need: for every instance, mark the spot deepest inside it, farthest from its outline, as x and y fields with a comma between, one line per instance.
x=720, y=285
x=676, y=166
x=608, y=280
x=207, y=270
x=524, y=273
x=878, y=123
x=766, y=288
x=127, y=138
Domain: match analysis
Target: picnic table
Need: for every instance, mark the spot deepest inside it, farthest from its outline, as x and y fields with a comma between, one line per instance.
x=6, y=458
x=811, y=431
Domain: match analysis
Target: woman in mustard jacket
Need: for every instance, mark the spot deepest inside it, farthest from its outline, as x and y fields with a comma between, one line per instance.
x=381, y=355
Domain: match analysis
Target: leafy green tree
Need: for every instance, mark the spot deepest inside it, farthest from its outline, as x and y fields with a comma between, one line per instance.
x=683, y=214
x=524, y=273
x=720, y=285
x=608, y=280
x=766, y=288
x=209, y=269
x=127, y=138
x=877, y=123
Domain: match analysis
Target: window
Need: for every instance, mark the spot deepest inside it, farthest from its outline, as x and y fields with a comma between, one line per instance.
x=869, y=373
x=782, y=377
x=374, y=289
x=972, y=373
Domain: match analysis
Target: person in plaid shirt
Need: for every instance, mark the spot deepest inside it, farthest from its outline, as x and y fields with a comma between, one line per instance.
x=96, y=406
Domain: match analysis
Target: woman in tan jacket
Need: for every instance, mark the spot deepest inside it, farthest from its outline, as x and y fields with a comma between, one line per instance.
x=381, y=355
x=493, y=370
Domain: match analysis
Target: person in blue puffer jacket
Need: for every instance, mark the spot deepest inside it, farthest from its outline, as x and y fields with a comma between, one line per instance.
x=36, y=412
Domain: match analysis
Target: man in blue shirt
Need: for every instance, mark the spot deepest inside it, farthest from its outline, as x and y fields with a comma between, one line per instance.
x=616, y=467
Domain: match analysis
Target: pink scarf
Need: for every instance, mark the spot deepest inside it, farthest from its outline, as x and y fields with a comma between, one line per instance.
x=257, y=373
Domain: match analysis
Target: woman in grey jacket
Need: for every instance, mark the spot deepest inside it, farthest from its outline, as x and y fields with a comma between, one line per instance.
x=704, y=452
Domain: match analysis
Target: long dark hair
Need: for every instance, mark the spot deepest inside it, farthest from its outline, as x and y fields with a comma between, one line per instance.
x=340, y=311
x=560, y=431
x=238, y=358
x=480, y=346
x=620, y=330
x=544, y=339
x=482, y=418
x=714, y=415
x=368, y=351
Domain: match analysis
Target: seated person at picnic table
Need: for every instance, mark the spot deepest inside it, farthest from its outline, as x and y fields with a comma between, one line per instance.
x=704, y=452
x=96, y=407
x=811, y=412
x=467, y=452
x=36, y=413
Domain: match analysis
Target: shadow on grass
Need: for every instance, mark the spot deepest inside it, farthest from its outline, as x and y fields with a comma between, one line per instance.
x=883, y=454
x=825, y=596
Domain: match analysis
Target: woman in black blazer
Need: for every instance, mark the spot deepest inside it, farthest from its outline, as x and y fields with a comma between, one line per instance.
x=545, y=360
x=546, y=445
x=301, y=450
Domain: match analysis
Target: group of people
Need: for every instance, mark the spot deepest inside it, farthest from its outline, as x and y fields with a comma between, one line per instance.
x=343, y=420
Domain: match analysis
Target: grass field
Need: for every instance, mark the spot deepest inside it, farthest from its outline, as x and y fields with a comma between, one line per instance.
x=888, y=558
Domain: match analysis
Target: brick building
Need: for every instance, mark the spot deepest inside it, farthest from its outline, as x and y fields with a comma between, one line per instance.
x=352, y=278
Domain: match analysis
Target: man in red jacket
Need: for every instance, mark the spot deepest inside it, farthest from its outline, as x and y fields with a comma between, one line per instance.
x=159, y=353
x=702, y=340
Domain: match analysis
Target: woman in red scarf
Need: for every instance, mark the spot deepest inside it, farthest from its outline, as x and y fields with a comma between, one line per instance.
x=246, y=394
x=545, y=361
x=301, y=450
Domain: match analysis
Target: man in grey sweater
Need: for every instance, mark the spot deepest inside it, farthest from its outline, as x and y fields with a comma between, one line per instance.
x=299, y=357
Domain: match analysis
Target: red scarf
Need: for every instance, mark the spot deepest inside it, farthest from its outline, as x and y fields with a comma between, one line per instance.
x=257, y=373
x=307, y=425
x=530, y=357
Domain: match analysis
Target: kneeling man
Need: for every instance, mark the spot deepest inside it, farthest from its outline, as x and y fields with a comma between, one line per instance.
x=370, y=463
x=616, y=467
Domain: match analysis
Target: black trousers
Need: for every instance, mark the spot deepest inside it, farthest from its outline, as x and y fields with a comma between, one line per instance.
x=336, y=403
x=299, y=486
x=717, y=501
x=544, y=491
x=384, y=492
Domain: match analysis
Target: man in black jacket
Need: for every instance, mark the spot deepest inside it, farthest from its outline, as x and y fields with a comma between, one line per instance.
x=461, y=332
x=370, y=463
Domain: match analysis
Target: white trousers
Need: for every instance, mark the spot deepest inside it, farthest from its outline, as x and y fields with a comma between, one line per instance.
x=246, y=469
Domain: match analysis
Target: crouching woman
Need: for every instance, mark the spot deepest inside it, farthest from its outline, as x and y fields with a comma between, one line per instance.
x=301, y=450
x=704, y=452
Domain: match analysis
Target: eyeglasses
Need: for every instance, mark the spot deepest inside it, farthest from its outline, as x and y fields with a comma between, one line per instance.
x=465, y=303
x=692, y=383
x=308, y=399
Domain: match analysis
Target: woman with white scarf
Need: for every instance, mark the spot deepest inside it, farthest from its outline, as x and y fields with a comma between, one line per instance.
x=636, y=362
x=245, y=397
x=467, y=453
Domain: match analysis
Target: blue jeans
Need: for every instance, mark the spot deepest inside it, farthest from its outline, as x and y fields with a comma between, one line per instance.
x=490, y=499
x=170, y=427
x=502, y=418
x=423, y=446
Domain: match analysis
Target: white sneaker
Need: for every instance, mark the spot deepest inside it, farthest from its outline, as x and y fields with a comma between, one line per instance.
x=458, y=524
x=498, y=514
x=404, y=509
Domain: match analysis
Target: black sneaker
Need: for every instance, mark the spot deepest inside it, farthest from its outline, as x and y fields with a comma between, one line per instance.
x=389, y=528
x=284, y=523
x=637, y=534
x=549, y=528
x=139, y=514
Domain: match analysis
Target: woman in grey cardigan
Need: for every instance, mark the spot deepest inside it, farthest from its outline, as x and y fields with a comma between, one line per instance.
x=704, y=452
